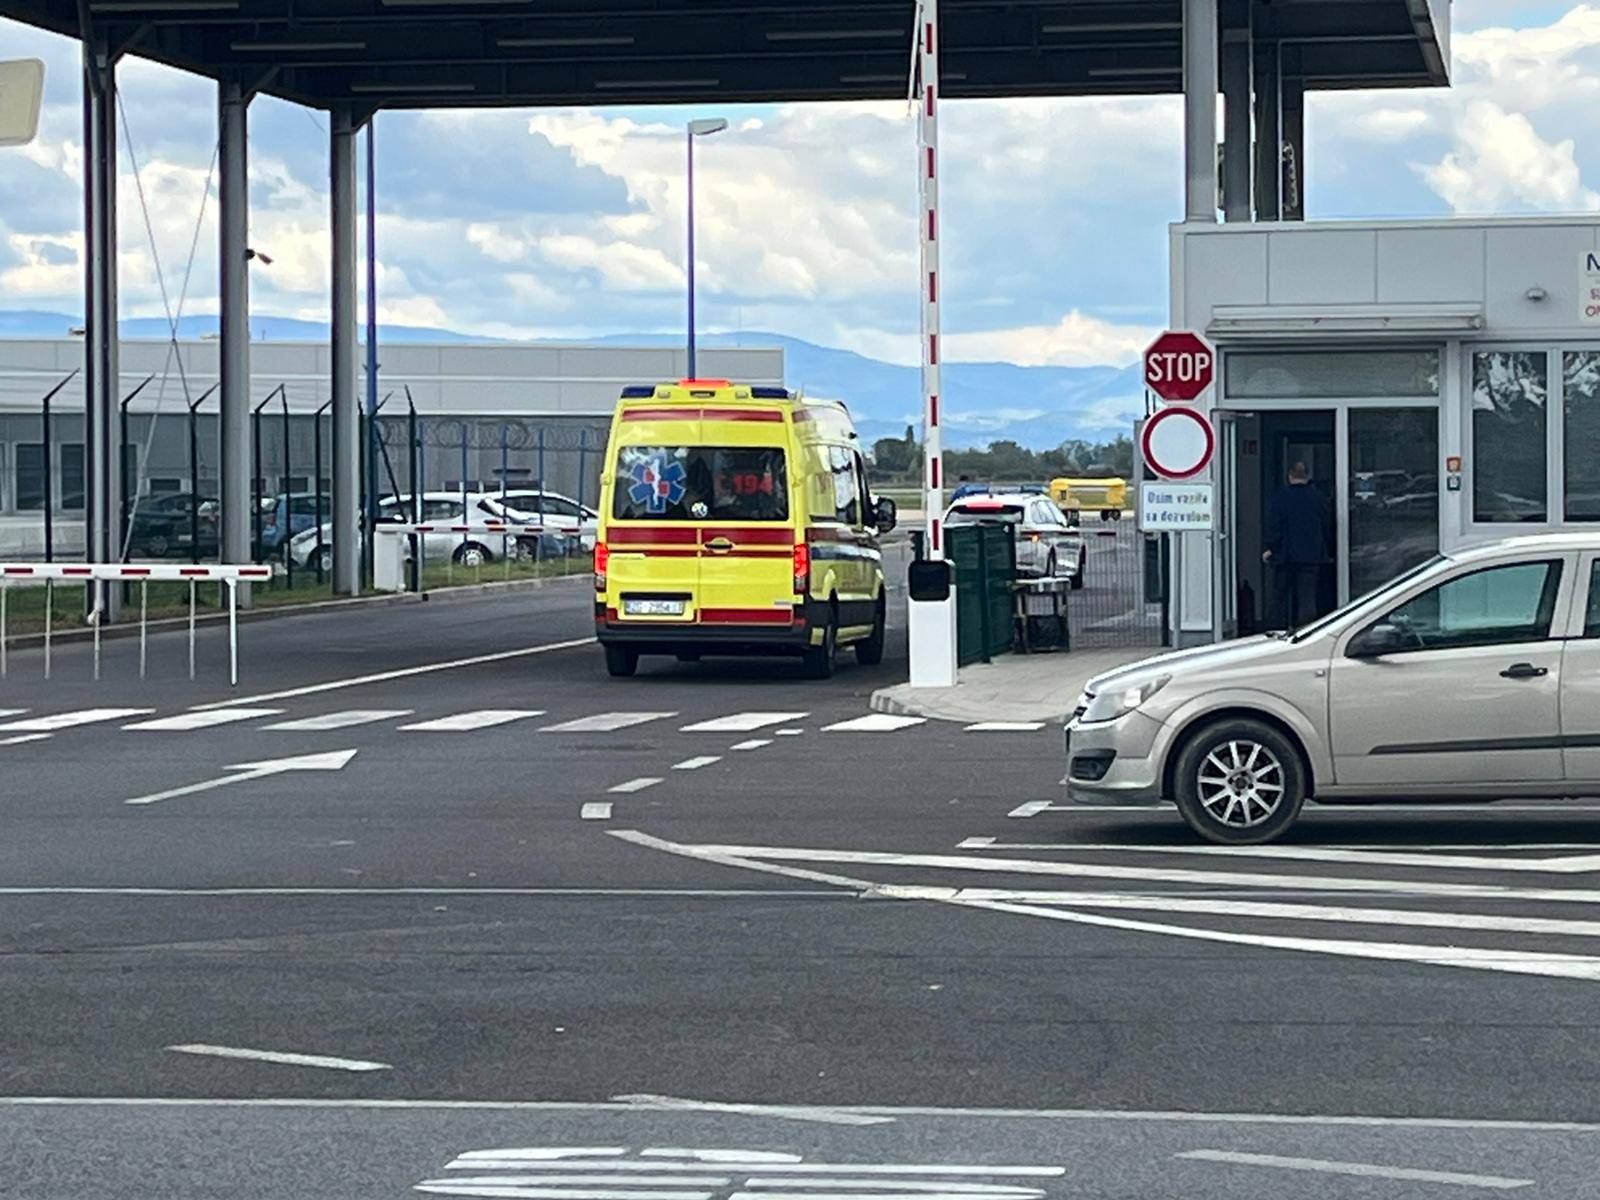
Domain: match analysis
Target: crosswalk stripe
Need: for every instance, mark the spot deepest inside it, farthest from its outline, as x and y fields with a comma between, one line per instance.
x=751, y=744
x=1005, y=727
x=66, y=720
x=12, y=712
x=342, y=719
x=636, y=785
x=482, y=718
x=25, y=737
x=595, y=810
x=874, y=723
x=606, y=722
x=743, y=722
x=204, y=720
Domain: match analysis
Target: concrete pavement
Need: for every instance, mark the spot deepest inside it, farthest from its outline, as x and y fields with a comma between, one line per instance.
x=720, y=882
x=1013, y=687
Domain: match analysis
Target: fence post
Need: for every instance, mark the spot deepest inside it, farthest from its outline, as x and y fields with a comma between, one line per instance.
x=49, y=613
x=194, y=477
x=4, y=589
x=288, y=498
x=316, y=450
x=49, y=475
x=583, y=459
x=505, y=465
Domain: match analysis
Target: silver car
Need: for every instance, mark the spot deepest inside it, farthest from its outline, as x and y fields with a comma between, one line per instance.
x=1048, y=543
x=1473, y=676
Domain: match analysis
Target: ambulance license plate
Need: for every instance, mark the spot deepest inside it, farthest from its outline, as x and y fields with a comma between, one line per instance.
x=652, y=608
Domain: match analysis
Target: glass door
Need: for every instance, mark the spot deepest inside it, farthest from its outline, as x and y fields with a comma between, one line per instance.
x=1392, y=493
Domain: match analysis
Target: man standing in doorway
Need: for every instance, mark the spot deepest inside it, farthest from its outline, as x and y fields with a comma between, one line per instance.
x=1296, y=547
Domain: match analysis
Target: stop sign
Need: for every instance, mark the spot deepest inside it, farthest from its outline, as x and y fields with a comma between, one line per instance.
x=1179, y=365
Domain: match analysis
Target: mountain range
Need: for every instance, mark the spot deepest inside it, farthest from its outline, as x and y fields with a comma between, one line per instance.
x=1037, y=407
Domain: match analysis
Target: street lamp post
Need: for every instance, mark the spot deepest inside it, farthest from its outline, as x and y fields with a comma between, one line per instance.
x=704, y=127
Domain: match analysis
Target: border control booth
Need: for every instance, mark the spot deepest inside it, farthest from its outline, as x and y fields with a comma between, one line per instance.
x=1439, y=380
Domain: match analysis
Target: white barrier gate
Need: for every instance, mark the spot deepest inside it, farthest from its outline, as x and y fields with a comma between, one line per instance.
x=388, y=563
x=141, y=573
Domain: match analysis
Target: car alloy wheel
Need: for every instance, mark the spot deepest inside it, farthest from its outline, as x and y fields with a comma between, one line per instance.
x=1240, y=783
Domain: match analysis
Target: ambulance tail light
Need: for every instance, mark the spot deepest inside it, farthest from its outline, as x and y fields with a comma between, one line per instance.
x=802, y=568
x=602, y=559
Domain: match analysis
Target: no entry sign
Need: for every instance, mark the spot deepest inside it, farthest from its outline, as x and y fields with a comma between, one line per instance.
x=1177, y=442
x=1179, y=365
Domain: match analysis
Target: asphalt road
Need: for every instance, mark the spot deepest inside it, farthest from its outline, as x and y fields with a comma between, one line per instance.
x=499, y=901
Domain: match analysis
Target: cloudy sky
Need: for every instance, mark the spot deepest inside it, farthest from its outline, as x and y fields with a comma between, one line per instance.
x=568, y=223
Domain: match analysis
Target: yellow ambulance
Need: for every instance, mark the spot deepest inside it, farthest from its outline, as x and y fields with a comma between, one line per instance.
x=736, y=520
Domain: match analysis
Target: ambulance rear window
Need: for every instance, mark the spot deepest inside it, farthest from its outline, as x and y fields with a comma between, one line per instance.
x=701, y=483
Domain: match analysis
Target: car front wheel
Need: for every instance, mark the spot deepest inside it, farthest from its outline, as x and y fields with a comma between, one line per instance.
x=1239, y=782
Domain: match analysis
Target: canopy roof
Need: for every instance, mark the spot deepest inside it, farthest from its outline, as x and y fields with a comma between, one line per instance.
x=431, y=53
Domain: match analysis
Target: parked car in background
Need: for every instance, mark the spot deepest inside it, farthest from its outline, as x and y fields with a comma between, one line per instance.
x=448, y=508
x=1105, y=494
x=282, y=516
x=166, y=523
x=552, y=511
x=1048, y=544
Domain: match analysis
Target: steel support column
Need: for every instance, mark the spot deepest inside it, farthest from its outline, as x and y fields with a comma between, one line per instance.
x=1269, y=136
x=102, y=448
x=1236, y=147
x=346, y=427
x=234, y=484
x=1200, y=109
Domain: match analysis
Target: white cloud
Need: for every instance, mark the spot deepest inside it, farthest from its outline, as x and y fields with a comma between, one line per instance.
x=1075, y=340
x=1501, y=161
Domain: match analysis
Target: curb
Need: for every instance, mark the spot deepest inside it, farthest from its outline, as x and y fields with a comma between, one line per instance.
x=250, y=616
x=888, y=700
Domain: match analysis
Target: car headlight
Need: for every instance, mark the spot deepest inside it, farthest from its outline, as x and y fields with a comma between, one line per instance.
x=1119, y=702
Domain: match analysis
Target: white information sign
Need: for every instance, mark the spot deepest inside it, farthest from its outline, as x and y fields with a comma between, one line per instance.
x=1174, y=506
x=21, y=92
x=1589, y=288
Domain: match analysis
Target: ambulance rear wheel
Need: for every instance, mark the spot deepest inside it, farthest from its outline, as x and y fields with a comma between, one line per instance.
x=869, y=652
x=621, y=661
x=819, y=659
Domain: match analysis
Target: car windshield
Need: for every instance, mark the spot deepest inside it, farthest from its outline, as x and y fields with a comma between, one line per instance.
x=695, y=483
x=1317, y=626
x=977, y=514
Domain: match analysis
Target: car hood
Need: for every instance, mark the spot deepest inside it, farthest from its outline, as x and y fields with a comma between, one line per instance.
x=1225, y=654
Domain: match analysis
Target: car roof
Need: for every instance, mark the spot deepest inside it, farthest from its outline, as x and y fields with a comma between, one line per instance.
x=1527, y=543
x=983, y=499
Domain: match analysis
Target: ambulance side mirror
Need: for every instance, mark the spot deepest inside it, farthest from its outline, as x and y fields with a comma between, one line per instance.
x=884, y=514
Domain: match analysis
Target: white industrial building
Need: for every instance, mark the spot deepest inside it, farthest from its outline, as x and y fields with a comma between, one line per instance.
x=484, y=412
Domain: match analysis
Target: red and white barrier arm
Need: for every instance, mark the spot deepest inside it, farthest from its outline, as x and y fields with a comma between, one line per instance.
x=134, y=572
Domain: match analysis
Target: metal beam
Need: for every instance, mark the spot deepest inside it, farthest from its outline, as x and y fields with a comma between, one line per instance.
x=1269, y=137
x=233, y=422
x=346, y=426
x=1236, y=83
x=1294, y=147
x=102, y=447
x=1200, y=109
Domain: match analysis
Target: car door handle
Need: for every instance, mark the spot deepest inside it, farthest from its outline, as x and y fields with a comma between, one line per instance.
x=1523, y=671
x=719, y=545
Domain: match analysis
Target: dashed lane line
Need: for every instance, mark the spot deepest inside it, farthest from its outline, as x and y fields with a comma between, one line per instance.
x=67, y=720
x=606, y=722
x=695, y=763
x=1365, y=1170
x=636, y=785
x=874, y=723
x=343, y=719
x=751, y=744
x=203, y=720
x=25, y=737
x=596, y=810
x=1004, y=726
x=482, y=718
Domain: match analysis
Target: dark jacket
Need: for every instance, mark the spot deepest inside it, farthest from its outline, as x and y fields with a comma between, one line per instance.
x=1297, y=523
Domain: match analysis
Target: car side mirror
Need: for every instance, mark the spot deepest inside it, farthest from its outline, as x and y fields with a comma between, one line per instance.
x=884, y=514
x=1382, y=638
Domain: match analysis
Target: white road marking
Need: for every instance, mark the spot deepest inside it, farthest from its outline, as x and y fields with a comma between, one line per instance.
x=481, y=718
x=1571, y=865
x=67, y=720
x=695, y=763
x=1561, y=966
x=751, y=744
x=981, y=843
x=596, y=810
x=1005, y=727
x=1275, y=910
x=606, y=722
x=874, y=723
x=137, y=893
x=402, y=673
x=12, y=712
x=275, y=1056
x=26, y=737
x=1028, y=866
x=1033, y=808
x=1369, y=1170
x=798, y=1112
x=743, y=722
x=636, y=785
x=787, y=732
x=951, y=1189
x=494, y=1186
x=904, y=1185
x=333, y=760
x=1134, y=1116
x=546, y=1178
x=990, y=843
x=204, y=720
x=343, y=719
